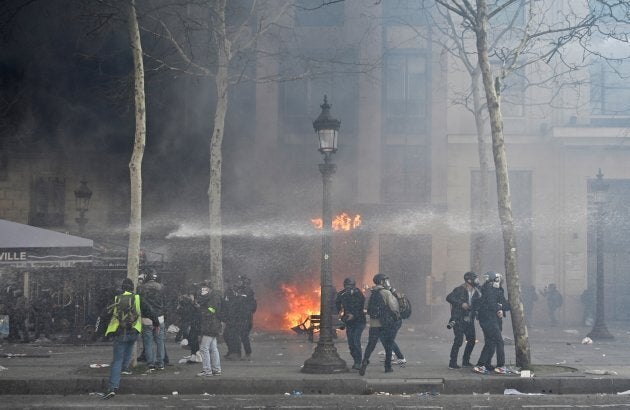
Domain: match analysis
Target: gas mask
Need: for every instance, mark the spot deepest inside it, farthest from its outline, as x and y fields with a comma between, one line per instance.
x=386, y=284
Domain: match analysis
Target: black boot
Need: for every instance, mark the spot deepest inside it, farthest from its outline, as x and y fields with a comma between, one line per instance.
x=453, y=366
x=364, y=365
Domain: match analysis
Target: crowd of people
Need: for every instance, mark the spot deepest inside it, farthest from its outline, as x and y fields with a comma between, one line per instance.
x=28, y=321
x=204, y=313
x=483, y=299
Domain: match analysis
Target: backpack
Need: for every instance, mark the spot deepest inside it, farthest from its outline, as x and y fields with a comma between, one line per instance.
x=126, y=313
x=404, y=305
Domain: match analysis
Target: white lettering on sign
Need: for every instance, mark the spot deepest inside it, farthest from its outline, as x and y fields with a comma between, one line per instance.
x=12, y=256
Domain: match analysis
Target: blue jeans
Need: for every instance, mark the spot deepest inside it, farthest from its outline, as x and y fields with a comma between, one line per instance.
x=353, y=333
x=210, y=357
x=123, y=348
x=153, y=340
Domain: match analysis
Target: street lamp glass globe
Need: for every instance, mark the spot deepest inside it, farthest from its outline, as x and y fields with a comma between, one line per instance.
x=327, y=129
x=327, y=140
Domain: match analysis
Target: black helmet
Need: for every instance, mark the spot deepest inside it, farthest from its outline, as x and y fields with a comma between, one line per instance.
x=470, y=276
x=379, y=278
x=349, y=282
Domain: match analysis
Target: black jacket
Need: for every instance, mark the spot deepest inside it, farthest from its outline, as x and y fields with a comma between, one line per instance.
x=458, y=296
x=153, y=294
x=351, y=303
x=239, y=305
x=491, y=301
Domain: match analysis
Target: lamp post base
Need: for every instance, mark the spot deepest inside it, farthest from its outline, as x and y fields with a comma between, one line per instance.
x=600, y=332
x=325, y=360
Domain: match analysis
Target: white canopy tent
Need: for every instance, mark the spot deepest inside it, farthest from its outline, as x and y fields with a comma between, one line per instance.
x=26, y=247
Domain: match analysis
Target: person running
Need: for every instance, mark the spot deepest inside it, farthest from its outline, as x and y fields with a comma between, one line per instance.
x=383, y=311
x=349, y=303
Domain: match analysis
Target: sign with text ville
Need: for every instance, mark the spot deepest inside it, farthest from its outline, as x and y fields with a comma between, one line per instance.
x=25, y=246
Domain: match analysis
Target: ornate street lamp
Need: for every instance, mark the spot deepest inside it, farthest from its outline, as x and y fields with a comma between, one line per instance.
x=82, y=197
x=325, y=358
x=600, y=189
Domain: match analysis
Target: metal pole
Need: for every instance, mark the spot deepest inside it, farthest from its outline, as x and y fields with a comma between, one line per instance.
x=600, y=331
x=325, y=358
x=81, y=221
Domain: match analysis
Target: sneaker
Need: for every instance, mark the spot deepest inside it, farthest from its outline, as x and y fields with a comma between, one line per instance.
x=453, y=366
x=356, y=366
x=480, y=369
x=216, y=373
x=501, y=370
x=389, y=370
x=401, y=362
x=126, y=372
x=203, y=374
x=468, y=364
x=109, y=395
x=160, y=367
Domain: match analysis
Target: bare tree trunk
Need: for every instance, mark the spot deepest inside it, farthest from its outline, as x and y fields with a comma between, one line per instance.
x=223, y=48
x=135, y=165
x=503, y=189
x=479, y=240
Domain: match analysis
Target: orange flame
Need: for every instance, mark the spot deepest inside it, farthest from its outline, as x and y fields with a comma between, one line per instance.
x=299, y=305
x=342, y=222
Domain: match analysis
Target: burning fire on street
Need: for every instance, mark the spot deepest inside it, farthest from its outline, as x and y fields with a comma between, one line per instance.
x=295, y=299
x=300, y=304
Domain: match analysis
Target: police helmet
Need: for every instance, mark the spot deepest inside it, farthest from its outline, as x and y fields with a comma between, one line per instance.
x=349, y=282
x=379, y=278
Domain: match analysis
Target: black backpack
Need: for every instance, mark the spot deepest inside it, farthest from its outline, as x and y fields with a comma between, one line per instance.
x=404, y=305
x=126, y=312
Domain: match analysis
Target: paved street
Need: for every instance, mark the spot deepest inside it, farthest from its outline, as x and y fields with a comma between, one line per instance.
x=562, y=365
x=416, y=401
